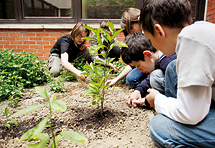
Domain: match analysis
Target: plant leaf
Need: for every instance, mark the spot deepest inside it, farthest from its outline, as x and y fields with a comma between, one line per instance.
x=26, y=110
x=40, y=127
x=14, y=121
x=95, y=48
x=90, y=38
x=43, y=137
x=73, y=136
x=27, y=134
x=111, y=26
x=122, y=44
x=91, y=29
x=41, y=91
x=59, y=105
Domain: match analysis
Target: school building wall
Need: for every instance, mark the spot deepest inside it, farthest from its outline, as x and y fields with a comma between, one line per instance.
x=40, y=41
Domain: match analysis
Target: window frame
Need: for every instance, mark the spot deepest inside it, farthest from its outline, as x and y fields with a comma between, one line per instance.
x=76, y=11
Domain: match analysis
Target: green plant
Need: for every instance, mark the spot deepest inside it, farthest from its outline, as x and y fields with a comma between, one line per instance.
x=35, y=134
x=14, y=101
x=7, y=122
x=57, y=85
x=98, y=72
x=20, y=70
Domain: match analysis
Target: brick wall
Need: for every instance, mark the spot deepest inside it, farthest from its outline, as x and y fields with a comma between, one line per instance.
x=210, y=11
x=39, y=41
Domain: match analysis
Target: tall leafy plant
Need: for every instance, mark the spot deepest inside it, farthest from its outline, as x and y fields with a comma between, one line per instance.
x=99, y=71
x=35, y=134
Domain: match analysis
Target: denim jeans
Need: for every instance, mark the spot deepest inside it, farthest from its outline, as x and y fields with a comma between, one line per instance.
x=177, y=135
x=174, y=134
x=135, y=77
x=165, y=84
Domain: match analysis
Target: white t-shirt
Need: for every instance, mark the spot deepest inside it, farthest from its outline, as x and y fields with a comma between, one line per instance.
x=195, y=51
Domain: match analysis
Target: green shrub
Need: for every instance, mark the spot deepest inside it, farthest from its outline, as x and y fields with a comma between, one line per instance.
x=20, y=70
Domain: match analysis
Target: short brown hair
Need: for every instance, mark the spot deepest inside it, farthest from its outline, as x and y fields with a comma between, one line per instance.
x=77, y=29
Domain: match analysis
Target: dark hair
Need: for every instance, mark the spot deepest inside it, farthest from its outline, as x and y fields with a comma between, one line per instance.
x=103, y=24
x=77, y=29
x=129, y=17
x=137, y=44
x=170, y=13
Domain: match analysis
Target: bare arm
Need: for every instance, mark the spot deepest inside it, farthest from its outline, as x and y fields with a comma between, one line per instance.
x=120, y=76
x=69, y=66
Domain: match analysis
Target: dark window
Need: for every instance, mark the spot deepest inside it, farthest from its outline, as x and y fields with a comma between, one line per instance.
x=7, y=9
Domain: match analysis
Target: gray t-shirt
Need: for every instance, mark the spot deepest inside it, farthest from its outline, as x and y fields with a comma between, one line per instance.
x=196, y=55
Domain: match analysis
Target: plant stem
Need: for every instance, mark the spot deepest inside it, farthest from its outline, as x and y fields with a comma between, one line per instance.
x=50, y=109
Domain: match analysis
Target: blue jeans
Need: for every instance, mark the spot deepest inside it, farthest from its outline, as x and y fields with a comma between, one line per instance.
x=174, y=134
x=165, y=84
x=177, y=135
x=135, y=77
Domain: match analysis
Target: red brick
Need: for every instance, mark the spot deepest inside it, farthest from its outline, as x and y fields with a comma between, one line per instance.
x=22, y=46
x=52, y=42
x=17, y=50
x=29, y=34
x=28, y=42
x=10, y=46
x=30, y=50
x=62, y=30
x=15, y=34
x=36, y=38
x=49, y=38
x=36, y=46
x=4, y=34
x=48, y=46
x=46, y=54
x=21, y=38
x=43, y=42
x=44, y=50
x=8, y=30
x=39, y=54
x=4, y=42
x=56, y=34
x=9, y=38
x=1, y=46
x=16, y=42
x=36, y=30
x=42, y=34
x=22, y=30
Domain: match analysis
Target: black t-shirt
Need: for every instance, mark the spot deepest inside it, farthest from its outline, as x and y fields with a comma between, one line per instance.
x=66, y=44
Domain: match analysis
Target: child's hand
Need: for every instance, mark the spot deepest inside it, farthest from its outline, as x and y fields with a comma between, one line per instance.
x=140, y=101
x=134, y=96
x=151, y=97
x=111, y=82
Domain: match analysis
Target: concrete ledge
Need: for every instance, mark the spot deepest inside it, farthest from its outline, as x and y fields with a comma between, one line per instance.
x=46, y=26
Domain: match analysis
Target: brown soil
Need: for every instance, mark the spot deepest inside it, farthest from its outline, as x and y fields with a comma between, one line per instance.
x=120, y=127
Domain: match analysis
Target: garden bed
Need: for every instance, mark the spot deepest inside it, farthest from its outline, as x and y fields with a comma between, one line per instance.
x=120, y=127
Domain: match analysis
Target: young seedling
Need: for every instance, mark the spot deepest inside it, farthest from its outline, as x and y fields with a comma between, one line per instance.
x=6, y=113
x=99, y=71
x=35, y=134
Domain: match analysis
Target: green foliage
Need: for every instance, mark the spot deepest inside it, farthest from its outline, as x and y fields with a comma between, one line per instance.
x=20, y=70
x=14, y=101
x=98, y=72
x=6, y=113
x=35, y=134
x=69, y=76
x=57, y=85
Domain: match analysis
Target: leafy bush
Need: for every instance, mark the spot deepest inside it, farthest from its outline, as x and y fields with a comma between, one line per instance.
x=57, y=85
x=20, y=70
